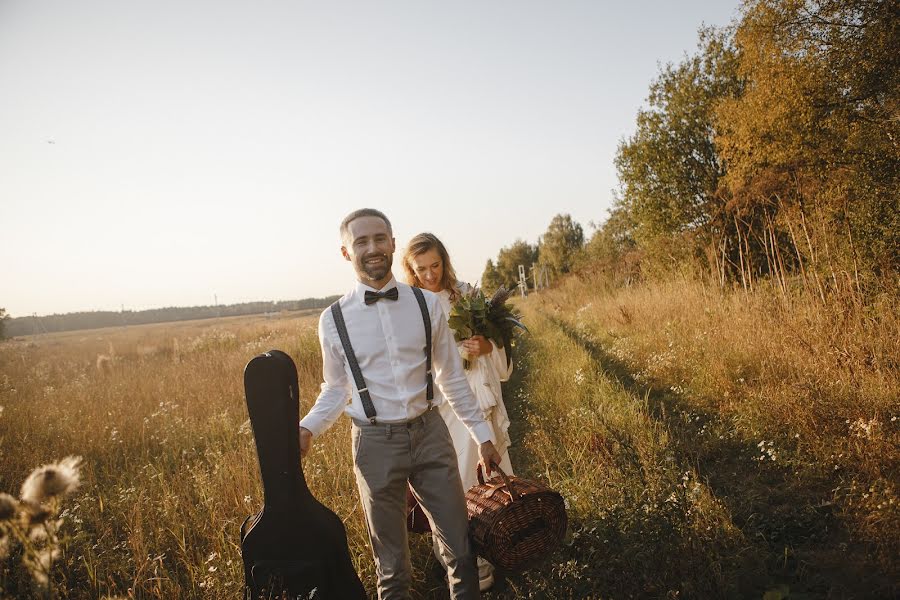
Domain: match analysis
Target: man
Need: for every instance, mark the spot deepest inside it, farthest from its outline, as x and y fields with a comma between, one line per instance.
x=405, y=439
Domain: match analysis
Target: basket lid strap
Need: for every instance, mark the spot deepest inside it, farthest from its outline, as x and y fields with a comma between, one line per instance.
x=506, y=482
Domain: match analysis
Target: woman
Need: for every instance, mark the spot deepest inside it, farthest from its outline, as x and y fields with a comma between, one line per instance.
x=427, y=266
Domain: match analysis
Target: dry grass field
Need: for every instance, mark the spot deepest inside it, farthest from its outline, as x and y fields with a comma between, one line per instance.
x=781, y=417
x=708, y=446
x=169, y=467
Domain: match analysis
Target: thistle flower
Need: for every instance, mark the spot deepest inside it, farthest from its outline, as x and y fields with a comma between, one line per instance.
x=51, y=481
x=40, y=563
x=35, y=514
x=47, y=533
x=8, y=507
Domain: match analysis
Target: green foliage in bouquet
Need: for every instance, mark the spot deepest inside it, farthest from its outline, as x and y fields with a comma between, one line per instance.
x=474, y=314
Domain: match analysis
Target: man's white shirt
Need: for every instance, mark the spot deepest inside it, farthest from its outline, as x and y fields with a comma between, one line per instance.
x=388, y=338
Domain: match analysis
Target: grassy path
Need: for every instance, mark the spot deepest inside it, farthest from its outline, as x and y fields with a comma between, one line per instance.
x=642, y=523
x=665, y=500
x=786, y=519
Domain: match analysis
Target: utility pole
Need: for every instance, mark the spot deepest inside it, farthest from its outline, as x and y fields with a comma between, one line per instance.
x=37, y=325
x=523, y=281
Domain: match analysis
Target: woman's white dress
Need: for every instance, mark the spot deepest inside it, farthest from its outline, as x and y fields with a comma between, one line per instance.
x=484, y=374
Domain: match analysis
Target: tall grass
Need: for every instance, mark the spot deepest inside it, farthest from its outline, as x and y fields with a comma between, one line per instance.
x=643, y=524
x=786, y=409
x=708, y=445
x=169, y=466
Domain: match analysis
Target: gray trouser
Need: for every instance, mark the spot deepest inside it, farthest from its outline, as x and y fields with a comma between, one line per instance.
x=385, y=456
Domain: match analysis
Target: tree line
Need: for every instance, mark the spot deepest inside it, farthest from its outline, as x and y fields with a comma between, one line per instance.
x=771, y=152
x=96, y=319
x=559, y=249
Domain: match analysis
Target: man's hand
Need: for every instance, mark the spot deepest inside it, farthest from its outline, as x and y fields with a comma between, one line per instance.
x=477, y=345
x=306, y=437
x=489, y=455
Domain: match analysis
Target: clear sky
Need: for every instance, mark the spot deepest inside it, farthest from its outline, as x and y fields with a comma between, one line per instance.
x=160, y=153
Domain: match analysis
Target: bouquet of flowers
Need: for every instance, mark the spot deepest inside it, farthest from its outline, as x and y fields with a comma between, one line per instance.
x=474, y=314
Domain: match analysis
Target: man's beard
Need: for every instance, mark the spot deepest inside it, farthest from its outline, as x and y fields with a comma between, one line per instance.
x=376, y=272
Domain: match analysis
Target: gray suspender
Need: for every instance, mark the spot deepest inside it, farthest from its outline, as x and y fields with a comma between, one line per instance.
x=429, y=380
x=364, y=396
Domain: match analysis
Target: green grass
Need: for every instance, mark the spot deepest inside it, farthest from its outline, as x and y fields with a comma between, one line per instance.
x=642, y=523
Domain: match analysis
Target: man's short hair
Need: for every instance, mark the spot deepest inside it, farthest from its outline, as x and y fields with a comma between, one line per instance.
x=363, y=212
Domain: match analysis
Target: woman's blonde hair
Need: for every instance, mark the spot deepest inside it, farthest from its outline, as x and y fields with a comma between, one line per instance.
x=421, y=244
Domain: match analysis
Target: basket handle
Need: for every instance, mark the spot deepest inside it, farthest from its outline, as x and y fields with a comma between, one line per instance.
x=506, y=482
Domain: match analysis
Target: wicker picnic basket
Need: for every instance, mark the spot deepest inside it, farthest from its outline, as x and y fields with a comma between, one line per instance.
x=514, y=522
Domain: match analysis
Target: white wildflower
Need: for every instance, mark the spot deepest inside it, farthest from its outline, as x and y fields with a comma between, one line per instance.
x=579, y=377
x=862, y=428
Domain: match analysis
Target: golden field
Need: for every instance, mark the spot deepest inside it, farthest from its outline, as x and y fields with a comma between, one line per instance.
x=708, y=445
x=718, y=444
x=169, y=466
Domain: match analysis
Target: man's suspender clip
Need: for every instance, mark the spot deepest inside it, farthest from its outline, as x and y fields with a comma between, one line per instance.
x=365, y=391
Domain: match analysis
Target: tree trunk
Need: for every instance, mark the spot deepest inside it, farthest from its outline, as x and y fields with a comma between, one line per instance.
x=740, y=252
x=812, y=254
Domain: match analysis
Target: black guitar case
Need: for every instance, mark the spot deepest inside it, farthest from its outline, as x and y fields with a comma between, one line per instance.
x=294, y=547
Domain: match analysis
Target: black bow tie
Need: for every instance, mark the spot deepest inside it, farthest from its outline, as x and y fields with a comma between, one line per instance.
x=373, y=297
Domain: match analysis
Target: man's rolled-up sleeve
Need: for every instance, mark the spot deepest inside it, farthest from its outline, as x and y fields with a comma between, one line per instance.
x=335, y=390
x=451, y=378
